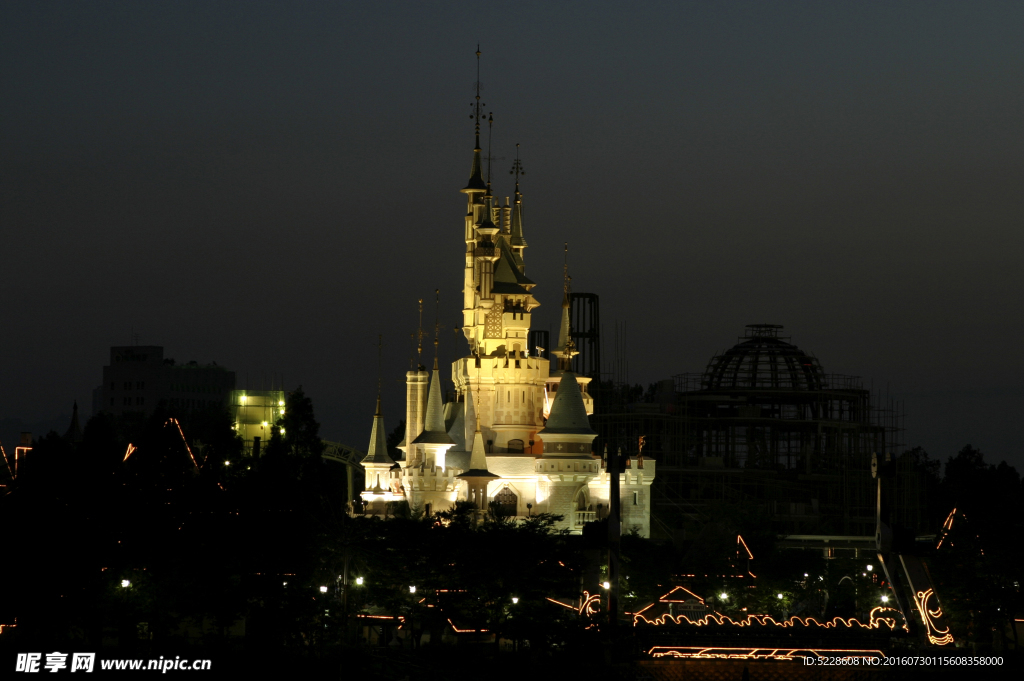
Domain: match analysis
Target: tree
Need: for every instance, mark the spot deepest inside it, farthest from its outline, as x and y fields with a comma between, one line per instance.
x=300, y=427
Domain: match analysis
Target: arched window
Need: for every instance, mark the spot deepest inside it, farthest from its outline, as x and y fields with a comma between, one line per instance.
x=515, y=446
x=506, y=502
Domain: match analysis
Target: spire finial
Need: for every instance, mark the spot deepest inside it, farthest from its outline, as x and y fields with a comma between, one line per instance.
x=419, y=338
x=517, y=170
x=437, y=324
x=569, y=351
x=476, y=181
x=490, y=133
x=380, y=345
x=565, y=274
x=477, y=112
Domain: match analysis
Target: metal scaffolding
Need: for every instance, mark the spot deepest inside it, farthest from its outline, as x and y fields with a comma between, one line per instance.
x=763, y=426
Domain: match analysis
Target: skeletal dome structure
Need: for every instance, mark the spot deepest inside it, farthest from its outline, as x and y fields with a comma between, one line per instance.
x=763, y=361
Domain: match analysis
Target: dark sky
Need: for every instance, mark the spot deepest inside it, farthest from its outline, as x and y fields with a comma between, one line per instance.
x=271, y=185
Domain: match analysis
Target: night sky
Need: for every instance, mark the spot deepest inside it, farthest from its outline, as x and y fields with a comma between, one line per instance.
x=271, y=185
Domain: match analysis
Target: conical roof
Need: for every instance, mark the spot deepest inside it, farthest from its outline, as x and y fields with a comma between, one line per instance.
x=516, y=234
x=478, y=460
x=507, y=276
x=568, y=413
x=457, y=427
x=377, y=452
x=74, y=432
x=433, y=423
x=476, y=180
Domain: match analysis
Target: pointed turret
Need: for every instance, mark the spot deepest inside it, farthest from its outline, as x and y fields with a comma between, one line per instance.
x=476, y=179
x=516, y=239
x=478, y=460
x=516, y=229
x=566, y=348
x=567, y=431
x=377, y=452
x=457, y=426
x=568, y=413
x=377, y=465
x=74, y=432
x=486, y=224
x=433, y=422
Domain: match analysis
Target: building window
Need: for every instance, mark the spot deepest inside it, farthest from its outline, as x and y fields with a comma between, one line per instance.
x=515, y=446
x=636, y=498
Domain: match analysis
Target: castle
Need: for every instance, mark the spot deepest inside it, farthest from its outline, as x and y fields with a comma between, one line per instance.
x=516, y=440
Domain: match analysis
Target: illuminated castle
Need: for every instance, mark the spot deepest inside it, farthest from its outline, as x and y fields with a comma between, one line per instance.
x=517, y=439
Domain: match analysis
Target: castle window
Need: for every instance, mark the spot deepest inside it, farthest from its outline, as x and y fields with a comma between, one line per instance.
x=636, y=498
x=515, y=446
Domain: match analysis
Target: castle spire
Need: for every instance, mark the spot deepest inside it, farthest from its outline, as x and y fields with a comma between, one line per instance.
x=476, y=181
x=566, y=348
x=377, y=452
x=516, y=237
x=477, y=475
x=437, y=324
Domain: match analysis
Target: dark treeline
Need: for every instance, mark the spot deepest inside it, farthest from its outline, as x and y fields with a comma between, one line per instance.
x=205, y=538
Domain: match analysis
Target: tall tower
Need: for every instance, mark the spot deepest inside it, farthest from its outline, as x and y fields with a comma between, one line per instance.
x=490, y=446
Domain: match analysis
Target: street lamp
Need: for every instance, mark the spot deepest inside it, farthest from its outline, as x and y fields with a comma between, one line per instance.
x=323, y=589
x=412, y=589
x=515, y=599
x=780, y=597
x=871, y=568
x=885, y=599
x=606, y=585
x=724, y=596
x=359, y=581
x=125, y=583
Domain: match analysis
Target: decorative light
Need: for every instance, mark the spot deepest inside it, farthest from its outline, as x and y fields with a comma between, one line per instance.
x=359, y=581
x=125, y=583
x=724, y=596
x=871, y=568
x=885, y=599
x=227, y=463
x=280, y=403
x=284, y=583
x=606, y=585
x=412, y=589
x=264, y=424
x=242, y=398
x=515, y=599
x=281, y=430
x=805, y=574
x=780, y=597
x=323, y=589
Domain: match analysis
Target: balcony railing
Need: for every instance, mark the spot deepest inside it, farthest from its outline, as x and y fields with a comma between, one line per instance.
x=583, y=517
